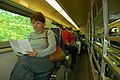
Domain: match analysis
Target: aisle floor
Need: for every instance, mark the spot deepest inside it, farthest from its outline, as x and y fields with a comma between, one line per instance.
x=81, y=71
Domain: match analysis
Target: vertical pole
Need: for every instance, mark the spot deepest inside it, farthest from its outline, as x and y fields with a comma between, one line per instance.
x=91, y=37
x=88, y=27
x=92, y=25
x=89, y=30
x=106, y=29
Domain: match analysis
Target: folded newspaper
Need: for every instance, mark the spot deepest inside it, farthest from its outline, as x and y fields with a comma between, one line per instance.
x=20, y=46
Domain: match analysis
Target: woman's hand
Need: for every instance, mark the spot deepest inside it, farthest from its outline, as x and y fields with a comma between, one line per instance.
x=32, y=53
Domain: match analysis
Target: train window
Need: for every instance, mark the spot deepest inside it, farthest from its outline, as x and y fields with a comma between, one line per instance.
x=13, y=26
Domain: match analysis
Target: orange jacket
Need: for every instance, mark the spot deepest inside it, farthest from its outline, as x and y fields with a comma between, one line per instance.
x=68, y=37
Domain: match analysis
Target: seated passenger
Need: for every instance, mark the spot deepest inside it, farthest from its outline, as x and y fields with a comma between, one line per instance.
x=35, y=65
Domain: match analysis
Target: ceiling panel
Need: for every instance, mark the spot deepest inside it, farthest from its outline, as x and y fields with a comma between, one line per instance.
x=46, y=9
x=76, y=9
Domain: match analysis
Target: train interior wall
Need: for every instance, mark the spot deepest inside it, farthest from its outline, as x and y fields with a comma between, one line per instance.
x=7, y=62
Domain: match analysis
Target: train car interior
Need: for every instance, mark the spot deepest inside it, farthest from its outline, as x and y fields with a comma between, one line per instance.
x=95, y=25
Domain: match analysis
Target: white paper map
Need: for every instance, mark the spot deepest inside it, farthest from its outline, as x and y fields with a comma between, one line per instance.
x=20, y=46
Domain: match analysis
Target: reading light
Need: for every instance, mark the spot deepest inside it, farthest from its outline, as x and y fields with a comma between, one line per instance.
x=56, y=6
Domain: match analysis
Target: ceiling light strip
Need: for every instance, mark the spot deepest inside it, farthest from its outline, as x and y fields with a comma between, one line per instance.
x=56, y=6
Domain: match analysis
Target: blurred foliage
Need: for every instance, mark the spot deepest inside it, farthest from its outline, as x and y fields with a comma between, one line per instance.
x=13, y=26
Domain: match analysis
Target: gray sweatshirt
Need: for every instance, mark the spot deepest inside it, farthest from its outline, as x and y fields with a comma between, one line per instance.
x=43, y=43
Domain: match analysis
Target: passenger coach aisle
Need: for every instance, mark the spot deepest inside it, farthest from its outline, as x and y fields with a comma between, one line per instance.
x=81, y=71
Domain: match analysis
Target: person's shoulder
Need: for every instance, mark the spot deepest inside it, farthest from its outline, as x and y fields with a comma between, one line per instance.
x=50, y=31
x=32, y=33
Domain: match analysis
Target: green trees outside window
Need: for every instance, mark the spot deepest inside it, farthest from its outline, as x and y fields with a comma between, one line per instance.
x=13, y=26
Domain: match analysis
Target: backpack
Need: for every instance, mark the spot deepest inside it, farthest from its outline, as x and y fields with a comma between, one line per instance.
x=58, y=37
x=59, y=54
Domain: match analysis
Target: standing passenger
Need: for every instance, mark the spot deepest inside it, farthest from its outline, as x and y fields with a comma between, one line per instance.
x=36, y=66
x=69, y=44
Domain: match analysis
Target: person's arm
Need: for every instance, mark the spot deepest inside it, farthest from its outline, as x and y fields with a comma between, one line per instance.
x=51, y=45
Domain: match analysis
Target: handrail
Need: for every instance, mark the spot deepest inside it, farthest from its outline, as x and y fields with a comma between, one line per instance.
x=114, y=68
x=96, y=62
x=5, y=50
x=5, y=47
x=107, y=59
x=98, y=48
x=114, y=46
x=91, y=65
x=113, y=58
x=98, y=44
x=4, y=44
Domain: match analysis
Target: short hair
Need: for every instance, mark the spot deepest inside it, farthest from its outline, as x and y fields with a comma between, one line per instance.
x=38, y=16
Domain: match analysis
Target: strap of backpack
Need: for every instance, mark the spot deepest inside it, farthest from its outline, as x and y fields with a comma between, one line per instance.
x=46, y=34
x=59, y=37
